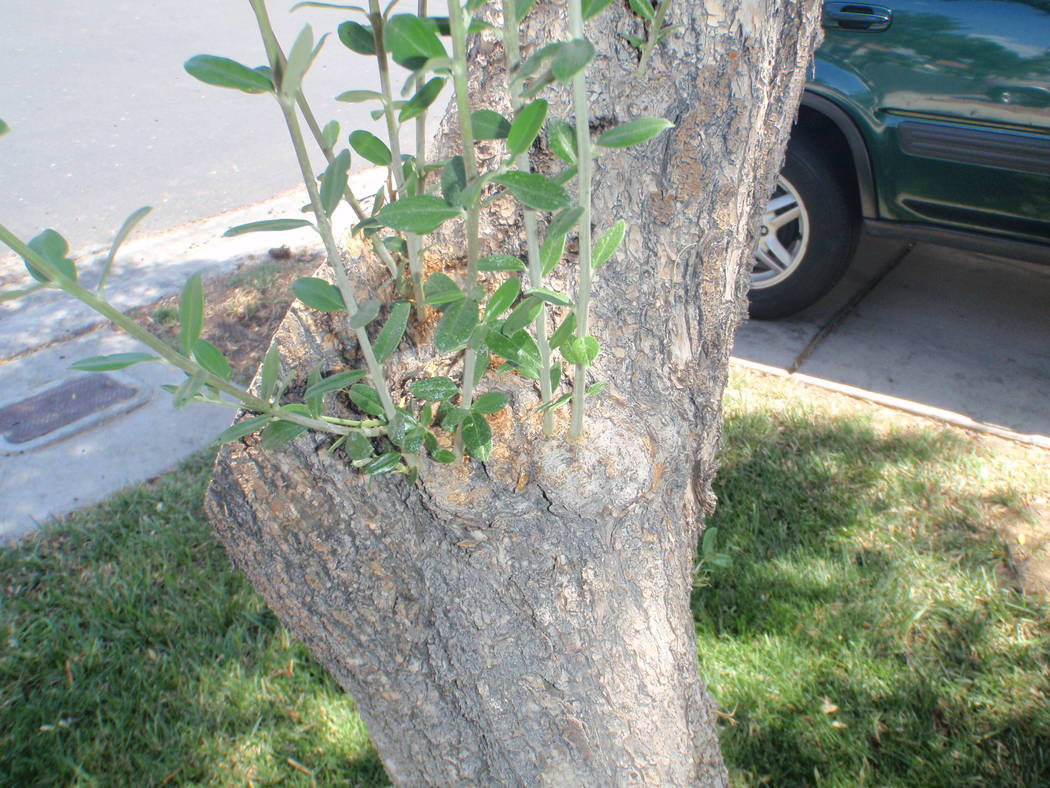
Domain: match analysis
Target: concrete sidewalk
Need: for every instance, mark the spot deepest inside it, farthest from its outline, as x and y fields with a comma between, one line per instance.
x=69, y=439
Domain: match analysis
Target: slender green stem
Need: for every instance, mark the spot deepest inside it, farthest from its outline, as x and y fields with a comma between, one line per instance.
x=324, y=227
x=324, y=224
x=654, y=33
x=583, y=156
x=512, y=49
x=421, y=120
x=415, y=254
x=470, y=165
x=158, y=345
x=277, y=56
x=415, y=262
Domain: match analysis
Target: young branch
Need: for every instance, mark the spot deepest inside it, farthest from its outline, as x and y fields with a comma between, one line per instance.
x=584, y=167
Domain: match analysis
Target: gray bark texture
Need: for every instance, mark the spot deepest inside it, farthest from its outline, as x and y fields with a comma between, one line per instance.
x=525, y=621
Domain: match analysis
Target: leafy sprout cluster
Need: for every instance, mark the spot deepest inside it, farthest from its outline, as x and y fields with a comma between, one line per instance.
x=476, y=326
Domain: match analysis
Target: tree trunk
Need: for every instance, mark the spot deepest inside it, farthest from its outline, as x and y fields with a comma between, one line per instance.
x=525, y=621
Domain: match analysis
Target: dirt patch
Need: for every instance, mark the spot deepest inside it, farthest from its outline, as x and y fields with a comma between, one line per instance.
x=242, y=309
x=1027, y=540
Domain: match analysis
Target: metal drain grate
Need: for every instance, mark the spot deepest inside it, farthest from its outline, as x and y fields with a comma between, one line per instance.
x=69, y=407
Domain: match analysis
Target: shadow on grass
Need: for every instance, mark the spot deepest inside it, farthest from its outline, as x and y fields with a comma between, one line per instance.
x=134, y=654
x=860, y=636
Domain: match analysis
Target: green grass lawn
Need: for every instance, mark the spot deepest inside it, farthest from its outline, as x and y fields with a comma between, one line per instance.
x=854, y=621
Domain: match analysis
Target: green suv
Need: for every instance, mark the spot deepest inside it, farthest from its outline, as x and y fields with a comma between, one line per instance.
x=926, y=120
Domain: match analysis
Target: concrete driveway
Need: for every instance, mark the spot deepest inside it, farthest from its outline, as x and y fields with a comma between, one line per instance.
x=933, y=327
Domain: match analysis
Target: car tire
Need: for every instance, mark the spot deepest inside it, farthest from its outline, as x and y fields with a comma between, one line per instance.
x=808, y=235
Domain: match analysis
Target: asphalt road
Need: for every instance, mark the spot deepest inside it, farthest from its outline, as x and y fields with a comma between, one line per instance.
x=104, y=119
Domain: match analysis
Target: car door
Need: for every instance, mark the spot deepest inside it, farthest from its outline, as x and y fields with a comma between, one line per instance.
x=958, y=93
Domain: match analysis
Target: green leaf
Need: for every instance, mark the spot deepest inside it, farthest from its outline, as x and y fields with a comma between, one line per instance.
x=4, y=128
x=334, y=180
x=357, y=38
x=418, y=214
x=582, y=351
x=643, y=8
x=300, y=57
x=423, y=98
x=477, y=436
x=53, y=248
x=591, y=8
x=242, y=429
x=267, y=226
x=191, y=313
x=212, y=359
x=608, y=244
x=489, y=125
x=595, y=389
x=556, y=403
x=505, y=295
x=437, y=389
x=412, y=41
x=526, y=127
x=440, y=24
x=490, y=402
x=398, y=427
x=318, y=294
x=189, y=389
x=453, y=417
x=561, y=137
x=501, y=262
x=456, y=325
x=634, y=41
x=440, y=289
x=384, y=463
x=533, y=190
x=367, y=311
x=481, y=366
x=551, y=297
x=122, y=235
x=564, y=221
x=522, y=8
x=359, y=96
x=570, y=58
x=634, y=133
x=336, y=382
x=358, y=447
x=271, y=368
x=366, y=399
x=330, y=133
x=369, y=146
x=279, y=433
x=226, y=73
x=551, y=252
x=393, y=330
x=453, y=179
x=314, y=402
x=524, y=314
x=111, y=362
x=412, y=442
x=563, y=332
x=444, y=456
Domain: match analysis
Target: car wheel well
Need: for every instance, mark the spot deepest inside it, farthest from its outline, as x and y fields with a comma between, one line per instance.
x=817, y=127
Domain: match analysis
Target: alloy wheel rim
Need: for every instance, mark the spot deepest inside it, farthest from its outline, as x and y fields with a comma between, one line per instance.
x=783, y=237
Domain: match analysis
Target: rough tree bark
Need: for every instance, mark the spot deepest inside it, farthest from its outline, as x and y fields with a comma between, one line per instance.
x=526, y=621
